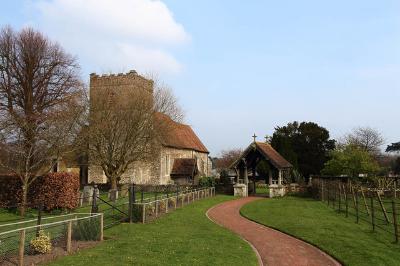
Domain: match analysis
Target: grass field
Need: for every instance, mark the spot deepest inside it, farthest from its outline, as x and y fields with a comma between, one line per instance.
x=313, y=221
x=183, y=237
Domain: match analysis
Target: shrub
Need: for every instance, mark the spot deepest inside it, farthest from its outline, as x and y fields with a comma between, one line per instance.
x=86, y=230
x=41, y=243
x=207, y=181
x=56, y=191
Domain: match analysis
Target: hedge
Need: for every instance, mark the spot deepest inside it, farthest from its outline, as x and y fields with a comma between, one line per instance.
x=54, y=190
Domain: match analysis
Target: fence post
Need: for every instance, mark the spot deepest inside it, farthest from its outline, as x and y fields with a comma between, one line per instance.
x=383, y=207
x=365, y=201
x=166, y=205
x=396, y=228
x=156, y=203
x=347, y=201
x=322, y=190
x=327, y=193
x=21, y=247
x=372, y=213
x=340, y=198
x=101, y=227
x=141, y=195
x=94, y=200
x=69, y=236
x=357, y=207
x=39, y=218
x=130, y=216
x=334, y=197
x=143, y=213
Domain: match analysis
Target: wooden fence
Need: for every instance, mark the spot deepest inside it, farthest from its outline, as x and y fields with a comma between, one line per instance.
x=379, y=207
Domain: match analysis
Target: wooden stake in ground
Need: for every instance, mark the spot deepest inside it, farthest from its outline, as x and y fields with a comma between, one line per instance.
x=365, y=201
x=396, y=227
x=21, y=248
x=383, y=207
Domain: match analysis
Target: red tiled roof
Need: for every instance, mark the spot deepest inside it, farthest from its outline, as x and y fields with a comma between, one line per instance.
x=179, y=136
x=273, y=155
x=184, y=167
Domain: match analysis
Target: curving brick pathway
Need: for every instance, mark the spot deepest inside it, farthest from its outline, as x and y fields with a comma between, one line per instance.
x=272, y=246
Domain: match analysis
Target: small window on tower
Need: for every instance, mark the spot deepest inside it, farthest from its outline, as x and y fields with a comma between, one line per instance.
x=55, y=165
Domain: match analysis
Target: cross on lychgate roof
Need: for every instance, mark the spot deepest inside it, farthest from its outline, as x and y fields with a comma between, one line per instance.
x=254, y=137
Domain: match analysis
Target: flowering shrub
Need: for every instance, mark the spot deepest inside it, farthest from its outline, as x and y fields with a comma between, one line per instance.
x=41, y=243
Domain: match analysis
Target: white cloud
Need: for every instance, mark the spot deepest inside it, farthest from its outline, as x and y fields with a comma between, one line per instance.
x=110, y=35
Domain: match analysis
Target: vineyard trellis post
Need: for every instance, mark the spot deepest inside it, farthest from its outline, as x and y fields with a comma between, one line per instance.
x=396, y=228
x=372, y=213
x=382, y=207
x=346, y=199
x=364, y=199
x=357, y=207
x=340, y=197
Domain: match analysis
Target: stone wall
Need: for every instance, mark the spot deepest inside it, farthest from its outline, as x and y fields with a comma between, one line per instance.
x=157, y=172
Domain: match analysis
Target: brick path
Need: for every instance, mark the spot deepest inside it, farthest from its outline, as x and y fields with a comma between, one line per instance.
x=273, y=247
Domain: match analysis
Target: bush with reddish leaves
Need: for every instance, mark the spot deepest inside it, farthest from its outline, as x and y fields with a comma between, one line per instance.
x=54, y=190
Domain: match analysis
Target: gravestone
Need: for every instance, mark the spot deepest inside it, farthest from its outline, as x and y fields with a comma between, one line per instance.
x=87, y=194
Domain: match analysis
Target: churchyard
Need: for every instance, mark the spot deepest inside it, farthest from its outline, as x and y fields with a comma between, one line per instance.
x=105, y=169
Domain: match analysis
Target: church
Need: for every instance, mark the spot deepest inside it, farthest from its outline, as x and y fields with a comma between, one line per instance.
x=183, y=157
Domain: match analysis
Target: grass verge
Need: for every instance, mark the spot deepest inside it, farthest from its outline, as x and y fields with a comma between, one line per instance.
x=183, y=237
x=314, y=222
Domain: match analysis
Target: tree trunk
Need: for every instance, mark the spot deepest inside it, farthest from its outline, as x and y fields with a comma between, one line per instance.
x=24, y=199
x=114, y=183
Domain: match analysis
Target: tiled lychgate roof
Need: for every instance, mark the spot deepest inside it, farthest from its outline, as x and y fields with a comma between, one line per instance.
x=266, y=151
x=184, y=167
x=179, y=135
x=273, y=155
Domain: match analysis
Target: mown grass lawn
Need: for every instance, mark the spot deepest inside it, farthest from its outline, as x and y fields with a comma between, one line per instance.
x=313, y=221
x=183, y=237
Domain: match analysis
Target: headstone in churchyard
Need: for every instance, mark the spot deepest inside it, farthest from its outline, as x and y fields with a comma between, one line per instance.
x=87, y=194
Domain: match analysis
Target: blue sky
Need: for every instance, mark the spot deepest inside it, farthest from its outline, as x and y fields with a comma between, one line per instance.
x=242, y=67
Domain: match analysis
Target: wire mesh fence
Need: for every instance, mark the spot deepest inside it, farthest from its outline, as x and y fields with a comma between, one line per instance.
x=22, y=240
x=146, y=211
x=378, y=207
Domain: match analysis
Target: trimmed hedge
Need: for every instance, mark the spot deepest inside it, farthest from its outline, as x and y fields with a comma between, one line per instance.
x=54, y=190
x=10, y=191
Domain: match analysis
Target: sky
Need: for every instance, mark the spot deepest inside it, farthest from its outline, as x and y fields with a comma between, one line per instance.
x=241, y=67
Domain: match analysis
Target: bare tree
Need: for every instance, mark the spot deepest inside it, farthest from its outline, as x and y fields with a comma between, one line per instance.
x=227, y=158
x=368, y=139
x=40, y=104
x=165, y=101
